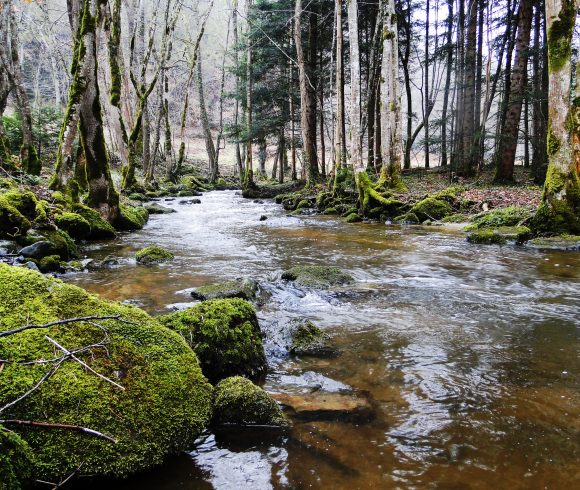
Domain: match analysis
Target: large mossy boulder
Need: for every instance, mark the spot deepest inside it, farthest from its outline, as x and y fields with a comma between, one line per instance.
x=16, y=461
x=153, y=255
x=240, y=288
x=225, y=335
x=74, y=224
x=510, y=216
x=48, y=242
x=132, y=218
x=165, y=403
x=100, y=229
x=12, y=222
x=238, y=401
x=317, y=276
x=431, y=208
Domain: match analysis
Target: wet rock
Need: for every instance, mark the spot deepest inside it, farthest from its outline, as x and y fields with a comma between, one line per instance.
x=263, y=218
x=241, y=288
x=309, y=340
x=32, y=266
x=327, y=406
x=158, y=209
x=38, y=250
x=191, y=201
x=50, y=264
x=109, y=261
x=236, y=400
x=153, y=255
x=562, y=242
x=258, y=201
x=318, y=277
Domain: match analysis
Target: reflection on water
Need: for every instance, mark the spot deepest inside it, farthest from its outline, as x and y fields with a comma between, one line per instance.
x=469, y=354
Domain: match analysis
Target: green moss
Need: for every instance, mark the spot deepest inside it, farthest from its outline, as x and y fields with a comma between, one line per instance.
x=553, y=142
x=330, y=210
x=226, y=336
x=456, y=218
x=560, y=36
x=244, y=289
x=42, y=211
x=304, y=203
x=60, y=198
x=510, y=216
x=74, y=224
x=25, y=202
x=407, y=218
x=132, y=218
x=316, y=276
x=16, y=461
x=100, y=229
x=308, y=339
x=137, y=197
x=487, y=237
x=353, y=218
x=164, y=407
x=560, y=242
x=50, y=263
x=431, y=208
x=153, y=255
x=12, y=222
x=237, y=400
x=63, y=244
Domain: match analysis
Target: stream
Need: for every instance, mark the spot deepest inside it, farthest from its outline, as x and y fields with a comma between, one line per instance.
x=470, y=354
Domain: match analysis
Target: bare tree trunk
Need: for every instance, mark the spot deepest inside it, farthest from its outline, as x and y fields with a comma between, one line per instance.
x=293, y=176
x=249, y=174
x=339, y=138
x=4, y=92
x=540, y=101
x=449, y=62
x=237, y=103
x=209, y=145
x=355, y=142
x=426, y=110
x=509, y=139
x=307, y=102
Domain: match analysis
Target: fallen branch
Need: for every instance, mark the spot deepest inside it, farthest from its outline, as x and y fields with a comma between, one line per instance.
x=5, y=333
x=82, y=363
x=46, y=425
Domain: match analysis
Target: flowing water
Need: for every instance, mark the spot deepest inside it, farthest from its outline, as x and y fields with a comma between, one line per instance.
x=469, y=354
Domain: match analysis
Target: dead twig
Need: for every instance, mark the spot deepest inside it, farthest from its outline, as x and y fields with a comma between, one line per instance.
x=46, y=425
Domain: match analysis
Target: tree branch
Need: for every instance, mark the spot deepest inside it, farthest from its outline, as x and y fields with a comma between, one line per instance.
x=47, y=425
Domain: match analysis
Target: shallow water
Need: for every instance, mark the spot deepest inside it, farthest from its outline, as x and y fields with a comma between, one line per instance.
x=469, y=354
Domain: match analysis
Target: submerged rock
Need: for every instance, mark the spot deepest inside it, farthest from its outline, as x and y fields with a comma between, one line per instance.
x=164, y=403
x=309, y=340
x=317, y=276
x=241, y=288
x=561, y=242
x=327, y=406
x=226, y=336
x=153, y=255
x=237, y=400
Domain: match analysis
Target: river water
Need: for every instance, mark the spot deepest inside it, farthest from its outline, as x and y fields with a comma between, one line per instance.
x=469, y=354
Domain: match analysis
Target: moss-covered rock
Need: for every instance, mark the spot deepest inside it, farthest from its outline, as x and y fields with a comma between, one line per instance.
x=330, y=210
x=100, y=229
x=431, y=208
x=132, y=218
x=74, y=224
x=560, y=242
x=153, y=255
x=317, y=276
x=487, y=237
x=510, y=216
x=135, y=196
x=64, y=245
x=237, y=400
x=241, y=288
x=226, y=336
x=51, y=263
x=157, y=209
x=25, y=202
x=49, y=242
x=309, y=340
x=16, y=461
x=407, y=219
x=165, y=404
x=353, y=218
x=12, y=222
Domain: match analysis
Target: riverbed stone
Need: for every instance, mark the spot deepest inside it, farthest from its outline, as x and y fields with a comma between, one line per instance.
x=309, y=340
x=317, y=276
x=240, y=288
x=38, y=250
x=161, y=408
x=153, y=255
x=561, y=242
x=226, y=336
x=158, y=209
x=327, y=406
x=236, y=400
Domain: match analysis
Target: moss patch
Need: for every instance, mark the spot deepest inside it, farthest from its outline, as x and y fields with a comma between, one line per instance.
x=16, y=461
x=237, y=400
x=100, y=229
x=74, y=224
x=153, y=255
x=226, y=336
x=309, y=340
x=317, y=276
x=132, y=218
x=511, y=216
x=166, y=402
x=244, y=289
x=487, y=237
x=431, y=208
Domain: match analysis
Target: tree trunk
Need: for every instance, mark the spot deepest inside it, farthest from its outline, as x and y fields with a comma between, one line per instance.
x=307, y=102
x=355, y=140
x=510, y=133
x=540, y=98
x=339, y=138
x=209, y=145
x=102, y=195
x=560, y=208
x=426, y=85
x=238, y=152
x=449, y=62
